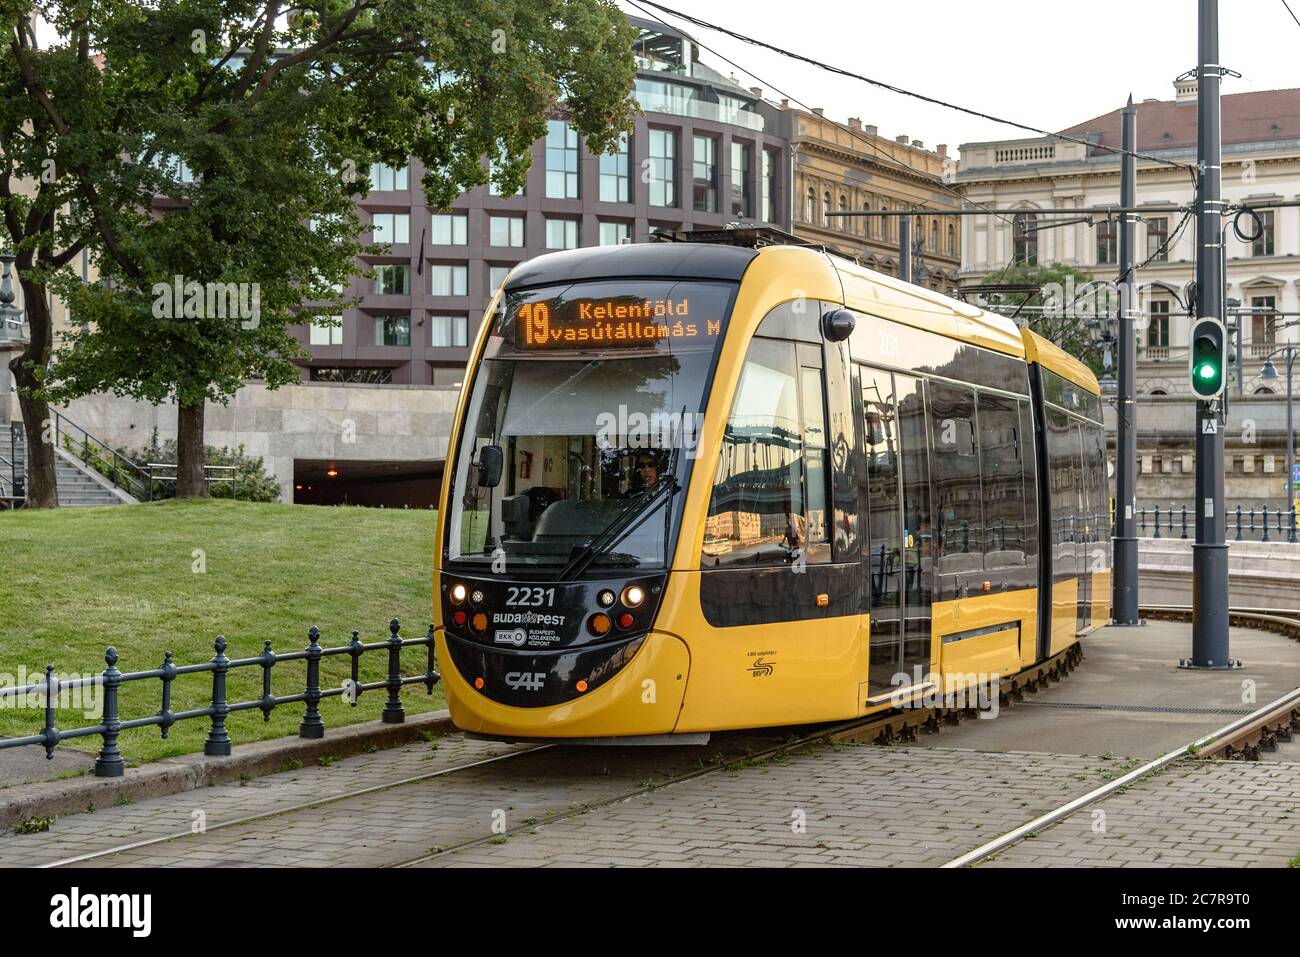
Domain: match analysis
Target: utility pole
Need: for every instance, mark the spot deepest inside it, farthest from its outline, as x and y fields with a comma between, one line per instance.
x=1210, y=551
x=1125, y=544
x=905, y=248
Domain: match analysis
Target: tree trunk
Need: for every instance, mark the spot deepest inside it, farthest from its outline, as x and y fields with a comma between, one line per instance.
x=190, y=480
x=29, y=368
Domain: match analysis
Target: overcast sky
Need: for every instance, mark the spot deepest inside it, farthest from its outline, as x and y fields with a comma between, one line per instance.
x=1046, y=63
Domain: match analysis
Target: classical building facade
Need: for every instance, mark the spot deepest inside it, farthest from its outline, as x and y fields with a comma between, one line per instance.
x=841, y=167
x=1261, y=163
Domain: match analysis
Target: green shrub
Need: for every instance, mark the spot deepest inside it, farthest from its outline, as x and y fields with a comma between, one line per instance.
x=252, y=483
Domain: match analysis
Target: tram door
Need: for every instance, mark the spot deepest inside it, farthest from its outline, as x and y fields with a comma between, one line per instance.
x=898, y=525
x=1084, y=523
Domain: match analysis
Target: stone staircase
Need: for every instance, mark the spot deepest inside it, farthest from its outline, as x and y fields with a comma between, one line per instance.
x=79, y=485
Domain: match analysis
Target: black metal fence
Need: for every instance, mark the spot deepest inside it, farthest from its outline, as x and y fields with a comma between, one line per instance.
x=110, y=762
x=1246, y=523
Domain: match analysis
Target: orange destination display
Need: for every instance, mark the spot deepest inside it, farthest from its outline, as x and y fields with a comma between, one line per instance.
x=558, y=324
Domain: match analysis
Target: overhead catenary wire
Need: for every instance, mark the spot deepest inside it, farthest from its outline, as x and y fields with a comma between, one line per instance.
x=893, y=88
x=856, y=135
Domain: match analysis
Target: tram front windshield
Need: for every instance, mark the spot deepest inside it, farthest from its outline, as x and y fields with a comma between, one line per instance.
x=582, y=422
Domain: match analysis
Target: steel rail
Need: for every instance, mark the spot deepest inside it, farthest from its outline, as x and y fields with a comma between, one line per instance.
x=304, y=806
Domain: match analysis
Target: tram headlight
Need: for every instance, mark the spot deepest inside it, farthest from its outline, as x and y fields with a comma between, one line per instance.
x=458, y=594
x=476, y=597
x=606, y=598
x=633, y=595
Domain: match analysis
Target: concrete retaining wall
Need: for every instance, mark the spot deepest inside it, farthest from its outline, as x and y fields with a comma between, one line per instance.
x=334, y=421
x=1260, y=574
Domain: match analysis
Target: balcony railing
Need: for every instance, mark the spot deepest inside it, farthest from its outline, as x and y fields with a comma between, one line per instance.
x=698, y=109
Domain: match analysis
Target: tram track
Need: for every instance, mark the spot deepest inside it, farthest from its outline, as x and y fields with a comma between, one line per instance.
x=898, y=726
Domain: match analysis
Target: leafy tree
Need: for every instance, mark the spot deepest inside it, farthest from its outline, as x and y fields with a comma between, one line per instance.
x=251, y=130
x=1065, y=300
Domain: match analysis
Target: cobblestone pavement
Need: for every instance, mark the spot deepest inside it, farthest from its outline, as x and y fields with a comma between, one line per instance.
x=848, y=805
x=177, y=813
x=1195, y=814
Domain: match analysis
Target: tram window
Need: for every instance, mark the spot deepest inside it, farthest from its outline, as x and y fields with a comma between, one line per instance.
x=1029, y=483
x=884, y=533
x=761, y=512
x=814, y=444
x=1062, y=456
x=959, y=520
x=1003, y=494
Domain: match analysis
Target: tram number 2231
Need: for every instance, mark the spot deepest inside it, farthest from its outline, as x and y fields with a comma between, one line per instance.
x=531, y=597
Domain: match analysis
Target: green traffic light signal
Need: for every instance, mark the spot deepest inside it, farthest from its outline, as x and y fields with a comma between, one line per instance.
x=1209, y=343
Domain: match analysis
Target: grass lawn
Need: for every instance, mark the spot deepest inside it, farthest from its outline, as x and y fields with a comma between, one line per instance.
x=73, y=581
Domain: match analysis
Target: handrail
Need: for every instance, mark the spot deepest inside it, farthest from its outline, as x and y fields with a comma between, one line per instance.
x=138, y=482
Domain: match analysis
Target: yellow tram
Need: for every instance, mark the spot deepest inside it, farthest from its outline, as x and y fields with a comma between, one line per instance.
x=693, y=487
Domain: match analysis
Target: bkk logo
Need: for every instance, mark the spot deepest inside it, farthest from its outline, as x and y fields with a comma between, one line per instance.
x=515, y=636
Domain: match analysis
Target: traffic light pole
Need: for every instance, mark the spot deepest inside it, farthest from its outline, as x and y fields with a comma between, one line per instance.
x=1210, y=552
x=1124, y=605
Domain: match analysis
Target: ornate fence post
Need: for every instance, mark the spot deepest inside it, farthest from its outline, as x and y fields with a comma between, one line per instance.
x=393, y=712
x=1184, y=535
x=1265, y=538
x=355, y=649
x=1156, y=509
x=218, y=743
x=1290, y=534
x=1239, y=522
x=312, y=726
x=268, y=699
x=431, y=676
x=110, y=763
x=50, y=733
x=168, y=676
x=1252, y=521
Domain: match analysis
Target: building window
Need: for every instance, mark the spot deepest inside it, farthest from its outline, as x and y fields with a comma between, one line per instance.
x=705, y=174
x=493, y=188
x=886, y=224
x=840, y=221
x=934, y=236
x=769, y=186
x=447, y=280
x=448, y=331
x=370, y=375
x=448, y=229
x=741, y=204
x=1158, y=327
x=1263, y=325
x=1107, y=243
x=496, y=276
x=386, y=178
x=952, y=240
x=561, y=160
x=321, y=334
x=615, y=234
x=663, y=170
x=561, y=233
x=392, y=330
x=809, y=205
x=614, y=175
x=1264, y=245
x=391, y=227
x=826, y=209
x=505, y=230
x=1157, y=237
x=392, y=281
x=1024, y=239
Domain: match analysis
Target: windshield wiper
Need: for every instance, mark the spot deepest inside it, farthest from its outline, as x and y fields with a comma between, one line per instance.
x=628, y=520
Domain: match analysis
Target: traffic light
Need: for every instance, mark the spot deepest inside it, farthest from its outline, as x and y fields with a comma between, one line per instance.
x=1208, y=357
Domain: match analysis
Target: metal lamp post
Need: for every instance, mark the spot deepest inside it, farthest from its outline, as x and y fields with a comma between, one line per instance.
x=1270, y=372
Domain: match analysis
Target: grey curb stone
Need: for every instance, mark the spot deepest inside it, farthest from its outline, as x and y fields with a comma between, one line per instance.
x=190, y=771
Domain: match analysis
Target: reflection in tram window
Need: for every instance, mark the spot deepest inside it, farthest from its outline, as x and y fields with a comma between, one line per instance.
x=769, y=496
x=959, y=517
x=1004, y=497
x=884, y=530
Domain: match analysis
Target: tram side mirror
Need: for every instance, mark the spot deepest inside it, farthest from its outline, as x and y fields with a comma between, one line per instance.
x=490, y=462
x=838, y=325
